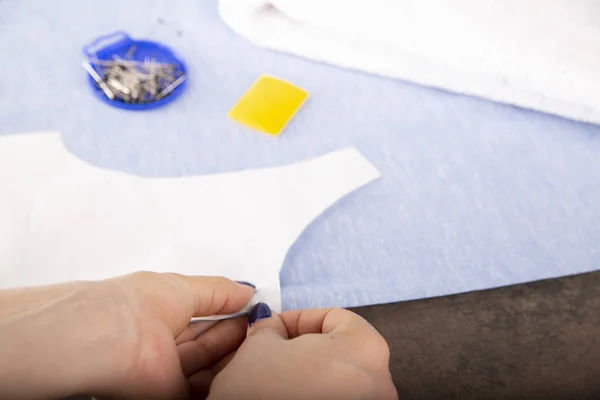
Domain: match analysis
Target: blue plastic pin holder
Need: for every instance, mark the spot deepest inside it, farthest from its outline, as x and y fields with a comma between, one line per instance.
x=134, y=74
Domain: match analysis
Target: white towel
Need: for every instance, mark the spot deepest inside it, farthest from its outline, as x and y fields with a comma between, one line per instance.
x=538, y=54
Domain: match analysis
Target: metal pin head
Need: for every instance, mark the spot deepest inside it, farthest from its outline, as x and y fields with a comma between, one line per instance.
x=135, y=74
x=137, y=82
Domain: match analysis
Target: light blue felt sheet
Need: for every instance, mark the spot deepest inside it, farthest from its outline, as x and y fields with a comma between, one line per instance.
x=473, y=195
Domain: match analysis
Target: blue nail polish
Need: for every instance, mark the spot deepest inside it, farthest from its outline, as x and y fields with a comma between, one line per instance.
x=246, y=284
x=260, y=311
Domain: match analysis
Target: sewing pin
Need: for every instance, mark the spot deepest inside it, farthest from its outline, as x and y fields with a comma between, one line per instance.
x=90, y=70
x=130, y=52
x=170, y=88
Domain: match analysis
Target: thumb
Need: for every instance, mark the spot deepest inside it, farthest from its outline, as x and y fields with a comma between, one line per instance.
x=263, y=321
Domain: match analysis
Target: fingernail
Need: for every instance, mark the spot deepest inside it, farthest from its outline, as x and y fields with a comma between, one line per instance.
x=247, y=284
x=260, y=311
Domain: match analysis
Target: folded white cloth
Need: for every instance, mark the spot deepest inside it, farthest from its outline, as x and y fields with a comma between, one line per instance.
x=538, y=54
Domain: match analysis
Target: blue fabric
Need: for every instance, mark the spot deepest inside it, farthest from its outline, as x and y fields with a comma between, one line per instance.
x=473, y=195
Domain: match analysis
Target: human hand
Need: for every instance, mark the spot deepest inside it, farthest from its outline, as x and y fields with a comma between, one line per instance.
x=307, y=354
x=126, y=337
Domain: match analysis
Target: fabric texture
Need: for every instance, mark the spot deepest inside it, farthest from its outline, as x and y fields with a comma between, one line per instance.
x=537, y=54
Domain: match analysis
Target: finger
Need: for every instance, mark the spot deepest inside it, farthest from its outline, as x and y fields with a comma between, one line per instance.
x=220, y=366
x=212, y=345
x=213, y=295
x=354, y=330
x=176, y=298
x=324, y=320
x=262, y=321
x=200, y=384
x=193, y=330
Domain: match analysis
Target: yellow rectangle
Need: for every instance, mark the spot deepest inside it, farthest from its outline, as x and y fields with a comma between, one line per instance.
x=269, y=105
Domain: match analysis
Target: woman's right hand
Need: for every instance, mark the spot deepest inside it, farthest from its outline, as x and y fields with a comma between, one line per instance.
x=307, y=354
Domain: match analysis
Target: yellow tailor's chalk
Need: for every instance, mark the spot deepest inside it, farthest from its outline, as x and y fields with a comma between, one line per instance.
x=268, y=105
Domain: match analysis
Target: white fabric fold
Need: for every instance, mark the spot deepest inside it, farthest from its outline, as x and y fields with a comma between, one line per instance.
x=62, y=219
x=537, y=54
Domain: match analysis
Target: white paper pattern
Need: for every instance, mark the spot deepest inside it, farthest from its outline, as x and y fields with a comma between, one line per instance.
x=62, y=219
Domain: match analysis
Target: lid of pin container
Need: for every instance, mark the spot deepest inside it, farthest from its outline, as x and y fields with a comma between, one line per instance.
x=134, y=74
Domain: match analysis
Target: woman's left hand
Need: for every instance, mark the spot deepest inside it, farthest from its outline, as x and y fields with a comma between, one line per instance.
x=127, y=337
